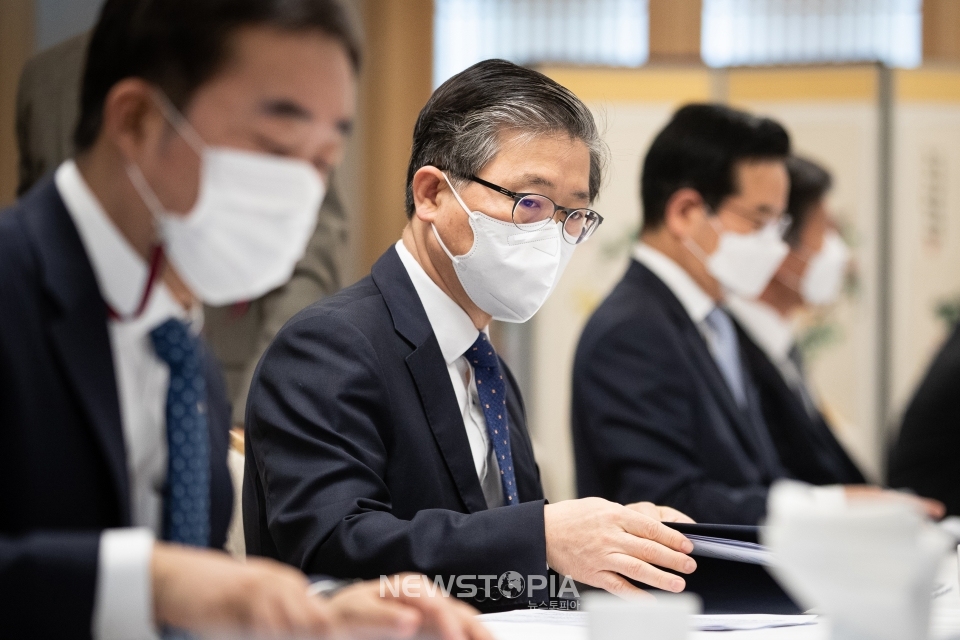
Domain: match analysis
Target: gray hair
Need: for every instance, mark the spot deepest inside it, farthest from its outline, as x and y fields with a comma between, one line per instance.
x=463, y=125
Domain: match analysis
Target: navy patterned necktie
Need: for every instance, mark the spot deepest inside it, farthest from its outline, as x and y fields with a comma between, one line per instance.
x=493, y=399
x=186, y=501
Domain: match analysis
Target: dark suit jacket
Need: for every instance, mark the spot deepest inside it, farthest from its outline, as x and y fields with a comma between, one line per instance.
x=358, y=462
x=925, y=457
x=64, y=471
x=653, y=418
x=806, y=445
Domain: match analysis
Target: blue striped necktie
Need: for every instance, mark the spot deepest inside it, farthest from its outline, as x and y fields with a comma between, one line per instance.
x=493, y=399
x=186, y=503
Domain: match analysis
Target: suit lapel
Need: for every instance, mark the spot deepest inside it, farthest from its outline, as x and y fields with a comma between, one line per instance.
x=707, y=367
x=77, y=327
x=429, y=371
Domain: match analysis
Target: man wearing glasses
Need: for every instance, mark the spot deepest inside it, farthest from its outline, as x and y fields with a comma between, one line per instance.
x=663, y=408
x=384, y=433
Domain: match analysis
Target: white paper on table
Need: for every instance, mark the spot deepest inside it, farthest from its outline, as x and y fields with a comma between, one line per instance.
x=725, y=622
x=750, y=621
x=539, y=616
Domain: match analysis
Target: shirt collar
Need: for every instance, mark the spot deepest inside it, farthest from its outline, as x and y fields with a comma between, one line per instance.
x=694, y=299
x=454, y=329
x=771, y=331
x=120, y=271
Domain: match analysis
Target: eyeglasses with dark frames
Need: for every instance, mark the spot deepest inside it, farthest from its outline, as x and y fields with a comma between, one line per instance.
x=530, y=209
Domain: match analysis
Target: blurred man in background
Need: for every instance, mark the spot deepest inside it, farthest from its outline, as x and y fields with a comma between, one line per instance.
x=663, y=408
x=812, y=275
x=207, y=131
x=666, y=406
x=923, y=459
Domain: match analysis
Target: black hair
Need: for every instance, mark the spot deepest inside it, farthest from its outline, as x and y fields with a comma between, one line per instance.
x=180, y=44
x=459, y=128
x=809, y=183
x=699, y=149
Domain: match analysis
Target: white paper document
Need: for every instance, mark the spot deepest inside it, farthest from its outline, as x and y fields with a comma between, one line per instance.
x=733, y=622
x=725, y=549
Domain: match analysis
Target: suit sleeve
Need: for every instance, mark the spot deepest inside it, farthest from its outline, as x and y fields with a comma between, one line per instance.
x=632, y=400
x=924, y=458
x=47, y=584
x=319, y=421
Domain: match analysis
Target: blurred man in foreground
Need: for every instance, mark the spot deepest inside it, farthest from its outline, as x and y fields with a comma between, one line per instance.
x=48, y=98
x=207, y=131
x=385, y=434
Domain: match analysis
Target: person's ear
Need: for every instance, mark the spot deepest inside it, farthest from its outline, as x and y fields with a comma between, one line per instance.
x=684, y=214
x=132, y=122
x=428, y=185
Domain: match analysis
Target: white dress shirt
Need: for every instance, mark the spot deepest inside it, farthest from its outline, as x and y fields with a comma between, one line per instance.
x=123, y=606
x=775, y=336
x=456, y=333
x=697, y=303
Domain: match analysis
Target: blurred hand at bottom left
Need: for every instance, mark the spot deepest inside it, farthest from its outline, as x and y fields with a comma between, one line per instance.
x=212, y=595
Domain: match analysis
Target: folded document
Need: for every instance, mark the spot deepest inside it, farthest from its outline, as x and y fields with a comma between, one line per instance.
x=725, y=549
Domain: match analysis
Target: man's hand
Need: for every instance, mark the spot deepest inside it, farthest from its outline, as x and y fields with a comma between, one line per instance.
x=360, y=611
x=663, y=514
x=599, y=542
x=200, y=590
x=932, y=508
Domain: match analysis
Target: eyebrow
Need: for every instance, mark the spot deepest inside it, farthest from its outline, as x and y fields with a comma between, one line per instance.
x=285, y=108
x=536, y=180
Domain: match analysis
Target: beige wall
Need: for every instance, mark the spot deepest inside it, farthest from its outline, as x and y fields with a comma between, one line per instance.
x=395, y=84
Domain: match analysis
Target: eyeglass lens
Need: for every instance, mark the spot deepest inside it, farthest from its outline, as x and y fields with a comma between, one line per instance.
x=577, y=227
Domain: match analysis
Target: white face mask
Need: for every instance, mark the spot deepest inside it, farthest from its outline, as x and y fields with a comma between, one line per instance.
x=509, y=272
x=250, y=225
x=821, y=283
x=744, y=263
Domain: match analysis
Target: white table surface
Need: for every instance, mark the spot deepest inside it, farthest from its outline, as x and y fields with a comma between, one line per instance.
x=945, y=622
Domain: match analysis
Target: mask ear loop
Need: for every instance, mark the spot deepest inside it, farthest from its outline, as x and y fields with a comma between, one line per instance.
x=692, y=246
x=436, y=233
x=150, y=199
x=795, y=280
x=179, y=122
x=457, y=195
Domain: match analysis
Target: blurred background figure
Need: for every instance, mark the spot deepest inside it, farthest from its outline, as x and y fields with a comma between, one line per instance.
x=810, y=276
x=923, y=458
x=48, y=103
x=663, y=408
